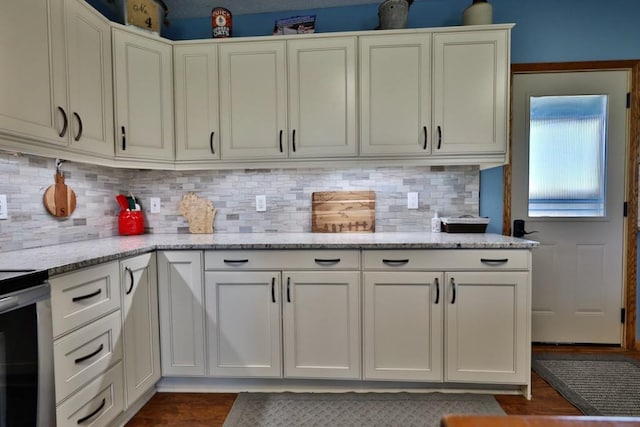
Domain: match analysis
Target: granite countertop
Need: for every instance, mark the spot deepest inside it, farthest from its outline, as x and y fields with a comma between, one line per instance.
x=70, y=256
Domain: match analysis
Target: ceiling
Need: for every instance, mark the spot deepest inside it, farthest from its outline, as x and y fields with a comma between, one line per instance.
x=181, y=9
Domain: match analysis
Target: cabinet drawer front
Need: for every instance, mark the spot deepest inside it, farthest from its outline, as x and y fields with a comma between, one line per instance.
x=84, y=295
x=97, y=404
x=86, y=353
x=442, y=259
x=282, y=259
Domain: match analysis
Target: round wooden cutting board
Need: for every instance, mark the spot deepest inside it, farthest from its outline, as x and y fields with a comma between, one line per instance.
x=59, y=200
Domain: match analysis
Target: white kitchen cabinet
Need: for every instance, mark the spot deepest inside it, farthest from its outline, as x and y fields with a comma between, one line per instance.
x=321, y=324
x=56, y=79
x=395, y=94
x=143, y=88
x=138, y=277
x=181, y=302
x=298, y=95
x=470, y=92
x=487, y=323
x=403, y=325
x=244, y=323
x=196, y=102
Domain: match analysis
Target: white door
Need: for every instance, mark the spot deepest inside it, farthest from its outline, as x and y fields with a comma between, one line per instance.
x=571, y=193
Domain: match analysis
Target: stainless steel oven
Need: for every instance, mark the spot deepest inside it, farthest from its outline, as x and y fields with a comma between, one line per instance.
x=27, y=395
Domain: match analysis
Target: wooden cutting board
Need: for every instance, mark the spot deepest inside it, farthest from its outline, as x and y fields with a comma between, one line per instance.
x=343, y=211
x=59, y=200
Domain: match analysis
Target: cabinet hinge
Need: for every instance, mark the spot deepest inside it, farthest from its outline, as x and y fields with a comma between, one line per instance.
x=628, y=99
x=623, y=315
x=625, y=209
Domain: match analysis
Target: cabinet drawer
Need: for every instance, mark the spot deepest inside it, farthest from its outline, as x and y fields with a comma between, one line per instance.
x=79, y=297
x=447, y=259
x=86, y=353
x=97, y=404
x=282, y=260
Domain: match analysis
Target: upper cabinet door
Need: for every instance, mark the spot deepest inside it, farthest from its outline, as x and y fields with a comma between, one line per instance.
x=196, y=102
x=33, y=93
x=395, y=98
x=470, y=92
x=253, y=100
x=143, y=82
x=322, y=97
x=88, y=41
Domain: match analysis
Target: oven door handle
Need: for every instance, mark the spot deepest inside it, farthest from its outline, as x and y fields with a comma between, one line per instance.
x=8, y=303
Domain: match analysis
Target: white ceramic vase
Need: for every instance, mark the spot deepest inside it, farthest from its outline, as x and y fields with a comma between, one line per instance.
x=480, y=12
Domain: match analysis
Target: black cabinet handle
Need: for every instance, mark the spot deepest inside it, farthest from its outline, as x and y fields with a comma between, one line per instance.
x=453, y=290
x=494, y=261
x=327, y=261
x=83, y=419
x=128, y=270
x=235, y=261
x=281, y=140
x=439, y=137
x=77, y=137
x=87, y=296
x=273, y=289
x=65, y=123
x=124, y=138
x=294, y=140
x=424, y=128
x=213, y=151
x=395, y=262
x=437, y=283
x=89, y=356
x=288, y=289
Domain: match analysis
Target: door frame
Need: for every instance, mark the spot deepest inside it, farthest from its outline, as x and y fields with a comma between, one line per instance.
x=630, y=248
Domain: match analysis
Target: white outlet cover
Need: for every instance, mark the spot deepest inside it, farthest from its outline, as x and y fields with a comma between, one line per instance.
x=261, y=203
x=154, y=203
x=4, y=210
x=412, y=200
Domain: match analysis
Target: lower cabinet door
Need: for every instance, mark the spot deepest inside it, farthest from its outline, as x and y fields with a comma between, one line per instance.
x=488, y=329
x=321, y=324
x=96, y=404
x=403, y=315
x=243, y=323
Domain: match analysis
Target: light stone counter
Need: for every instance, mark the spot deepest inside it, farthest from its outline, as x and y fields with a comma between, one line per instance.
x=71, y=256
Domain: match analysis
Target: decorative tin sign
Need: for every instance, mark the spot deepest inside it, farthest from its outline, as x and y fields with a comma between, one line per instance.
x=220, y=22
x=144, y=14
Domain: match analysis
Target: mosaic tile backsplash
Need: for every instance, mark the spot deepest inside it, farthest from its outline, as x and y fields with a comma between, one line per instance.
x=450, y=190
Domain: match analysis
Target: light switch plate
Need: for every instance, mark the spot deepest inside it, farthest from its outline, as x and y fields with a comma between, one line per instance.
x=155, y=204
x=412, y=200
x=4, y=210
x=261, y=203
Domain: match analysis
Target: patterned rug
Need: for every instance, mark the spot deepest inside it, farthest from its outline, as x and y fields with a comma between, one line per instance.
x=607, y=385
x=354, y=409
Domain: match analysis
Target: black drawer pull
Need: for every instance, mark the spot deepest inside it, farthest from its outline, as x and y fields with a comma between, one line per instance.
x=288, y=289
x=213, y=151
x=494, y=260
x=437, y=283
x=91, y=415
x=66, y=122
x=89, y=356
x=395, y=262
x=439, y=137
x=294, y=140
x=124, y=138
x=127, y=269
x=235, y=261
x=327, y=261
x=281, y=141
x=273, y=289
x=453, y=290
x=79, y=135
x=424, y=128
x=87, y=296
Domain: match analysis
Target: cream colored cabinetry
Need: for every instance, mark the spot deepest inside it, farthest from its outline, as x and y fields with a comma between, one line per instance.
x=181, y=302
x=298, y=95
x=395, y=94
x=57, y=82
x=470, y=92
x=476, y=301
x=143, y=88
x=141, y=336
x=196, y=102
x=261, y=302
x=87, y=345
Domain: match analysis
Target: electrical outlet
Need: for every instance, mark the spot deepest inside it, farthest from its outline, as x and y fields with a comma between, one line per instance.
x=4, y=210
x=154, y=202
x=261, y=203
x=412, y=200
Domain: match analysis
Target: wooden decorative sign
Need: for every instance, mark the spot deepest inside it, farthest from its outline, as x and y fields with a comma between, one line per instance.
x=144, y=14
x=343, y=212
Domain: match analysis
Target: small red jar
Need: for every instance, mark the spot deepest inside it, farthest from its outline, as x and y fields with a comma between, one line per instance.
x=130, y=223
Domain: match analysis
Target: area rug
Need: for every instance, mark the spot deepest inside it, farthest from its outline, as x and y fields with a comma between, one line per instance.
x=354, y=409
x=607, y=385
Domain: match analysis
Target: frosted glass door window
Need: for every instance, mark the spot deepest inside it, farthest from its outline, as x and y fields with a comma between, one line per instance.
x=567, y=149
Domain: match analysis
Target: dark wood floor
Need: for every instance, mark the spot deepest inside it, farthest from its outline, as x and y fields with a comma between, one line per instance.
x=211, y=409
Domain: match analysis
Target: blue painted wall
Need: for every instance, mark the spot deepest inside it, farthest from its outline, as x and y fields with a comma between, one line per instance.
x=545, y=31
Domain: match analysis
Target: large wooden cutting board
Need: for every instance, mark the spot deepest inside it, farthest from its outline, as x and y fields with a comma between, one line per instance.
x=343, y=211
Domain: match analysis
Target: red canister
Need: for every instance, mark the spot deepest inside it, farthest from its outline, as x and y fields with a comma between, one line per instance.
x=130, y=223
x=220, y=22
